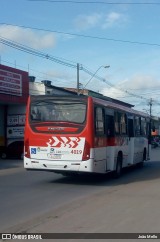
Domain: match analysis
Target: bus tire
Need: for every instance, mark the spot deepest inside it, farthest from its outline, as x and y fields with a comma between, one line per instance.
x=118, y=171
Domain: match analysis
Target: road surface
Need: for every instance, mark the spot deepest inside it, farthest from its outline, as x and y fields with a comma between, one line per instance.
x=41, y=202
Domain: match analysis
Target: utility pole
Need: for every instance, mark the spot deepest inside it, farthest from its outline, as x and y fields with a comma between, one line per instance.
x=150, y=124
x=77, y=78
x=150, y=109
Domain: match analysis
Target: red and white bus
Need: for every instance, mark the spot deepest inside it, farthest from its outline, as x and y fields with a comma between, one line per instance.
x=83, y=134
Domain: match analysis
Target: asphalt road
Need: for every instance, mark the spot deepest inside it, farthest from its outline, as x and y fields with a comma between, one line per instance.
x=46, y=202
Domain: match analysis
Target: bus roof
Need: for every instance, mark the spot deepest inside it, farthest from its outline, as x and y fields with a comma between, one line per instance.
x=109, y=104
x=123, y=108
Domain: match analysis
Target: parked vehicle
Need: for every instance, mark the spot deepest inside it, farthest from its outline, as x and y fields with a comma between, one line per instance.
x=2, y=149
x=13, y=150
x=155, y=142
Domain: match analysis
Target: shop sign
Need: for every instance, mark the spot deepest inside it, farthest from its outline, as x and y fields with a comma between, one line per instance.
x=15, y=120
x=10, y=83
x=15, y=132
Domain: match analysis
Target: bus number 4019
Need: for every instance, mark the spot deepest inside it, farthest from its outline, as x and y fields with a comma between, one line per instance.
x=76, y=152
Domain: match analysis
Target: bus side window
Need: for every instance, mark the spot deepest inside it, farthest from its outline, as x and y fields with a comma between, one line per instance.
x=116, y=123
x=99, y=121
x=110, y=126
x=123, y=124
x=130, y=127
x=143, y=126
x=137, y=126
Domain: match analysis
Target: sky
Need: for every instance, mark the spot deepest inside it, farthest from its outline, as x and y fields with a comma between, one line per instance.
x=124, y=35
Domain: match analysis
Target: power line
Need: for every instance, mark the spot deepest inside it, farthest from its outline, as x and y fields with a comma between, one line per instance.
x=145, y=88
x=29, y=69
x=87, y=71
x=32, y=51
x=46, y=56
x=41, y=75
x=113, y=86
x=85, y=36
x=96, y=2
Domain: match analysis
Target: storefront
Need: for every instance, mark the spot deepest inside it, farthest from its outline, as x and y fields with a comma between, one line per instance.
x=14, y=91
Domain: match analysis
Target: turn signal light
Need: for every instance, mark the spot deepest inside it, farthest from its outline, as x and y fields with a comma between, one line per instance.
x=86, y=152
x=26, y=149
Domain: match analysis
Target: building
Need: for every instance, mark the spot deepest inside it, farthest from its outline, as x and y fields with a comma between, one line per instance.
x=14, y=91
x=15, y=87
x=99, y=95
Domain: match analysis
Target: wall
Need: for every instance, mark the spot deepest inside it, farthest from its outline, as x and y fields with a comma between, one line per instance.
x=2, y=125
x=14, y=85
x=15, y=123
x=36, y=88
x=14, y=92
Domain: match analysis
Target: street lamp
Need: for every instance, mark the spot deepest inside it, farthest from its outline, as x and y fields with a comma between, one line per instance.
x=107, y=66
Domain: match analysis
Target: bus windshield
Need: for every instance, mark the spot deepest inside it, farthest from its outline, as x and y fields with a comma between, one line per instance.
x=52, y=110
